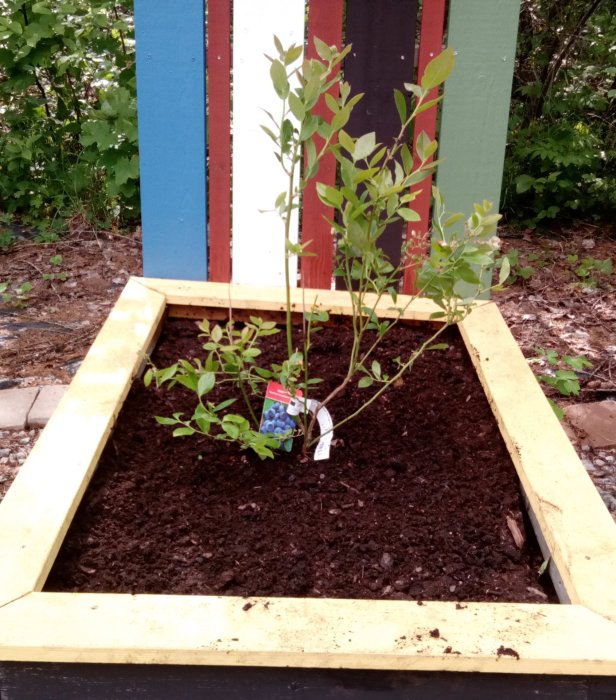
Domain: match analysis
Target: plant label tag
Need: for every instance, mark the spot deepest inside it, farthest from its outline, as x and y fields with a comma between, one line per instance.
x=275, y=417
x=326, y=425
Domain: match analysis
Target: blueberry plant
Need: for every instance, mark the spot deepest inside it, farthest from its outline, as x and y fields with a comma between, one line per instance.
x=373, y=191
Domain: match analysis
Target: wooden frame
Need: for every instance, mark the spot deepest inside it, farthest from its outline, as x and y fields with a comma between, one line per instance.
x=573, y=525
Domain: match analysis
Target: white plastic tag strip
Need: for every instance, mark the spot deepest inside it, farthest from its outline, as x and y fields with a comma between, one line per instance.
x=296, y=406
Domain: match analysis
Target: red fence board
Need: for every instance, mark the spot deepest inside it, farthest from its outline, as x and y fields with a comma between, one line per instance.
x=430, y=45
x=324, y=22
x=219, y=124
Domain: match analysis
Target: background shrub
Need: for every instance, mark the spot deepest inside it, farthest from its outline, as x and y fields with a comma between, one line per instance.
x=561, y=151
x=68, y=130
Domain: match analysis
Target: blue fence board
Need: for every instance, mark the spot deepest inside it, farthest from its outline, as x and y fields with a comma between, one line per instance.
x=170, y=41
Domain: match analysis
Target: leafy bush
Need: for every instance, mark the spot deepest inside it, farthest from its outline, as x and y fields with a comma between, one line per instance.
x=68, y=136
x=562, y=146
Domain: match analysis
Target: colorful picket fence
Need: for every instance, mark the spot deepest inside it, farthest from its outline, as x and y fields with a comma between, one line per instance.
x=207, y=169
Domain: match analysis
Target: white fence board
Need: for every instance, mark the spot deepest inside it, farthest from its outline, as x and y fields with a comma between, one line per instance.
x=258, y=237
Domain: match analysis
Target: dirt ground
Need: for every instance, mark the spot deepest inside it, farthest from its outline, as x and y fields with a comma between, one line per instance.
x=561, y=299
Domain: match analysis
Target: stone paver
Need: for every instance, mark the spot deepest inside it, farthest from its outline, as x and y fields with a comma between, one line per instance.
x=596, y=420
x=15, y=404
x=45, y=404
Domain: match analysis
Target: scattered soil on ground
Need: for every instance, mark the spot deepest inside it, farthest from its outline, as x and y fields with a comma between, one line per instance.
x=396, y=512
x=45, y=333
x=561, y=299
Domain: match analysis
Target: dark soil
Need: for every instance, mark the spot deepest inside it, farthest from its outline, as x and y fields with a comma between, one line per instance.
x=418, y=501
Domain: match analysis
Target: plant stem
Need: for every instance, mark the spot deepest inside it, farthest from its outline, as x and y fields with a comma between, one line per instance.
x=247, y=401
x=287, y=240
x=375, y=396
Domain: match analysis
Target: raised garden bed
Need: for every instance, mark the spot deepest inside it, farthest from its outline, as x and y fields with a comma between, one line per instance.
x=574, y=529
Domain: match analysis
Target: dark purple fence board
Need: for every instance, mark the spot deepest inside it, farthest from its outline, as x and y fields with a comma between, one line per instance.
x=383, y=36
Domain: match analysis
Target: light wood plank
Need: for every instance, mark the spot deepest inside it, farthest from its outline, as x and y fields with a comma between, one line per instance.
x=257, y=235
x=220, y=296
x=576, y=526
x=38, y=508
x=307, y=633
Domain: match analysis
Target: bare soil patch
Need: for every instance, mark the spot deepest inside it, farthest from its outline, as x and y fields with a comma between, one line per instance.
x=419, y=499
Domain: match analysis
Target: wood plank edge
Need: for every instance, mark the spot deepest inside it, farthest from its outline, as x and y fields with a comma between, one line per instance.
x=219, y=295
x=564, y=640
x=563, y=559
x=16, y=510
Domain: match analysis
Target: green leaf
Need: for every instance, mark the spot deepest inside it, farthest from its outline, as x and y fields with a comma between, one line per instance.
x=400, y=100
x=184, y=431
x=206, y=383
x=296, y=106
x=453, y=219
x=341, y=118
x=408, y=214
x=544, y=567
x=523, y=183
x=424, y=106
x=438, y=70
x=364, y=146
x=164, y=375
x=505, y=270
x=425, y=146
x=376, y=369
x=407, y=158
x=438, y=346
x=270, y=133
x=365, y=382
x=231, y=429
x=126, y=170
x=311, y=157
x=222, y=405
x=467, y=274
x=322, y=49
x=320, y=316
x=346, y=141
x=216, y=334
x=293, y=53
x=278, y=75
x=579, y=363
x=329, y=195
x=165, y=421
x=188, y=380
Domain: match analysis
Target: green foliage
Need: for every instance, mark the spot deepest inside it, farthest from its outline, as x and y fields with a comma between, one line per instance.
x=15, y=295
x=230, y=360
x=55, y=262
x=562, y=146
x=563, y=374
x=68, y=139
x=6, y=239
x=590, y=269
x=373, y=191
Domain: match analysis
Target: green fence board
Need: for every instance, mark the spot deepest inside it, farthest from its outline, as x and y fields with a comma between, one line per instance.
x=476, y=101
